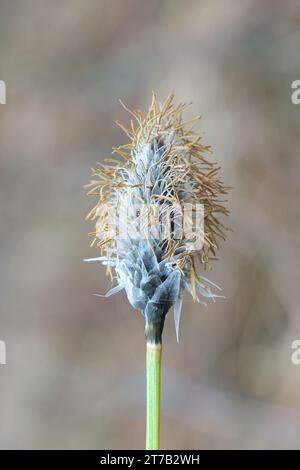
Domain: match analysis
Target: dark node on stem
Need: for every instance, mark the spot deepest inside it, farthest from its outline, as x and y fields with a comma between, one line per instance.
x=154, y=324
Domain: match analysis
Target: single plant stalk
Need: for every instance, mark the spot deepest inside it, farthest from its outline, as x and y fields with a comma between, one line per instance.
x=153, y=360
x=165, y=171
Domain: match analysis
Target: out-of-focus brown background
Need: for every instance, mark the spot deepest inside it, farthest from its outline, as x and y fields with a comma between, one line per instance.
x=75, y=363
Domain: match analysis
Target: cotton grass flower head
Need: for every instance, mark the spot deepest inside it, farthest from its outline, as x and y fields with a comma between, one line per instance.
x=151, y=240
x=162, y=170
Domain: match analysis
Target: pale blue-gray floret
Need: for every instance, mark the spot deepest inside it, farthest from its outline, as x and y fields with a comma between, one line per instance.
x=153, y=283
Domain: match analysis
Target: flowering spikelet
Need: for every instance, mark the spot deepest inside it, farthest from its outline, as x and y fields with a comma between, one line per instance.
x=163, y=169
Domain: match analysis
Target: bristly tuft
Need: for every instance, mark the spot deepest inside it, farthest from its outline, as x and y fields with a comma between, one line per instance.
x=164, y=167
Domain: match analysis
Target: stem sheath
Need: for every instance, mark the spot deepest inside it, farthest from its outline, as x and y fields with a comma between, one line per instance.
x=153, y=360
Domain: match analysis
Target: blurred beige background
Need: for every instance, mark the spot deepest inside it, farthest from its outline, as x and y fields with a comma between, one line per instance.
x=75, y=363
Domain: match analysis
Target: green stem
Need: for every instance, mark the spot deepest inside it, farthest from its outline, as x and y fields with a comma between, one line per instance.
x=153, y=395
